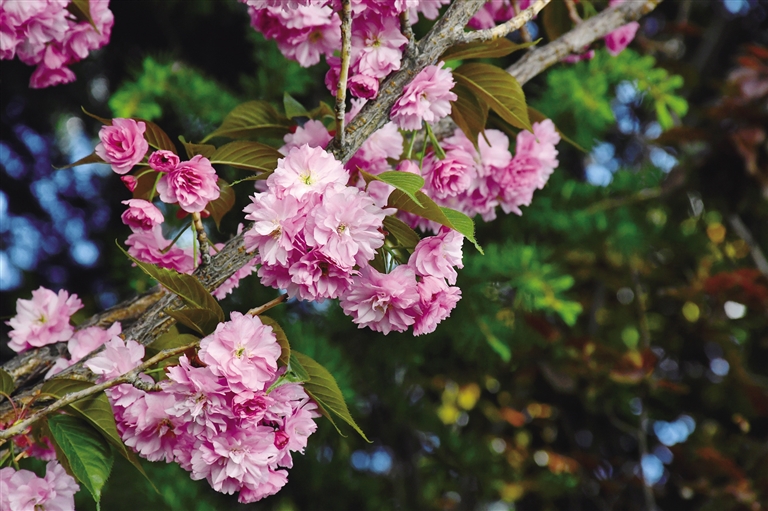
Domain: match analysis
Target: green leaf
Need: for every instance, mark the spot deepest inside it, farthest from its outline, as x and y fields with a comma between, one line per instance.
x=145, y=184
x=91, y=158
x=186, y=287
x=254, y=118
x=89, y=456
x=200, y=320
x=224, y=204
x=97, y=411
x=7, y=384
x=194, y=149
x=102, y=120
x=243, y=154
x=469, y=112
x=499, y=89
x=485, y=49
x=321, y=111
x=537, y=116
x=406, y=182
x=431, y=211
x=405, y=236
x=156, y=137
x=322, y=387
x=556, y=20
x=293, y=108
x=296, y=368
x=282, y=339
x=169, y=340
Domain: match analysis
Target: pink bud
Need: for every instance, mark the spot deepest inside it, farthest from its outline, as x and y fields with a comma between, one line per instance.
x=129, y=182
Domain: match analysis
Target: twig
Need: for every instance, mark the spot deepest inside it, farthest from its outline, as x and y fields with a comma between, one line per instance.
x=572, y=12
x=346, y=47
x=131, y=377
x=525, y=34
x=263, y=308
x=502, y=30
x=202, y=239
x=407, y=30
x=754, y=248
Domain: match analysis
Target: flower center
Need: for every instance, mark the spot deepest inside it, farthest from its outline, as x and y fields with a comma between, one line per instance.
x=306, y=178
x=341, y=229
x=239, y=351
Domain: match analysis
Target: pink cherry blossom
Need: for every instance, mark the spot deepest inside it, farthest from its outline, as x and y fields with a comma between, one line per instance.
x=242, y=350
x=449, y=176
x=436, y=256
x=383, y=302
x=377, y=45
x=312, y=133
x=147, y=428
x=306, y=169
x=200, y=399
x=130, y=182
x=437, y=300
x=276, y=224
x=346, y=227
x=82, y=343
x=42, y=320
x=163, y=161
x=426, y=98
x=150, y=246
x=22, y=490
x=192, y=184
x=363, y=86
x=620, y=38
x=122, y=144
x=117, y=358
x=141, y=214
x=317, y=277
x=44, y=77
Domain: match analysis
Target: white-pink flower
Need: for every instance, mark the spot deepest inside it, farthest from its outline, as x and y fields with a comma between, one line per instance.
x=163, y=161
x=42, y=320
x=192, y=184
x=150, y=246
x=427, y=98
x=312, y=133
x=306, y=169
x=242, y=350
x=384, y=302
x=377, y=46
x=22, y=490
x=436, y=256
x=141, y=214
x=437, y=300
x=346, y=227
x=277, y=222
x=117, y=358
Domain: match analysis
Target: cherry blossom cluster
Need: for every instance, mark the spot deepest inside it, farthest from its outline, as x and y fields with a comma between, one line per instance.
x=191, y=185
x=229, y=415
x=23, y=490
x=310, y=229
x=44, y=33
x=309, y=29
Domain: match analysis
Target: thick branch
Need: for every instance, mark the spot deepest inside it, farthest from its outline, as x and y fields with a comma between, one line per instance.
x=131, y=377
x=502, y=30
x=583, y=35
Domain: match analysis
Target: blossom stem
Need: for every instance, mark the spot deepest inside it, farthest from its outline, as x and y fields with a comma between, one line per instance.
x=346, y=46
x=573, y=12
x=435, y=144
x=131, y=377
x=525, y=34
x=154, y=187
x=263, y=308
x=423, y=151
x=202, y=239
x=175, y=239
x=410, y=145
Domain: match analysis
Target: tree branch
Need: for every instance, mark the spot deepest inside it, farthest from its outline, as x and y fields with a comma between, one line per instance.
x=587, y=32
x=502, y=30
x=131, y=377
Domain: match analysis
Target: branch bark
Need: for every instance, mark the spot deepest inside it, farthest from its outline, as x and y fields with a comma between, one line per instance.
x=149, y=310
x=508, y=27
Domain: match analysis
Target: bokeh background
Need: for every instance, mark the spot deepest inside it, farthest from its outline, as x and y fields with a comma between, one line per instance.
x=611, y=348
